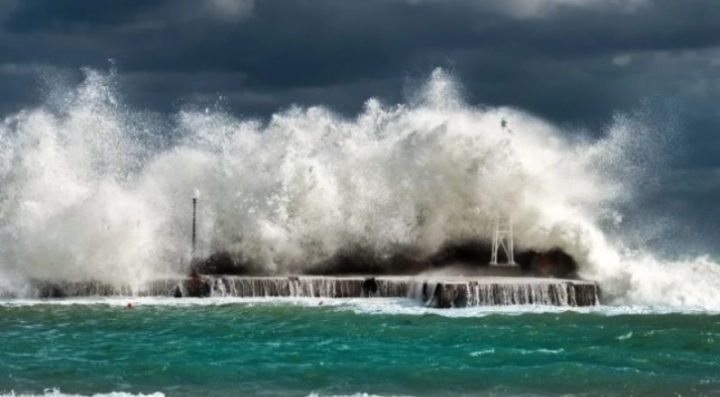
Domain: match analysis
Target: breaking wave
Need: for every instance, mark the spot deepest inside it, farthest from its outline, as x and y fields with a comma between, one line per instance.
x=57, y=393
x=94, y=189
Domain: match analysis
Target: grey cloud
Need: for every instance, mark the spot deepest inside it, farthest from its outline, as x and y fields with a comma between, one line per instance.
x=575, y=62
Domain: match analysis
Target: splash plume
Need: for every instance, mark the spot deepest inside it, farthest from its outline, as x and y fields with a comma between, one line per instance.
x=87, y=193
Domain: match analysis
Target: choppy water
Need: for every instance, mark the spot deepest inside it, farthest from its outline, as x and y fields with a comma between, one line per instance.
x=227, y=347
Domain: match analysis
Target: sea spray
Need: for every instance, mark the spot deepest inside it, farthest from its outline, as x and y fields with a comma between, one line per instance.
x=87, y=194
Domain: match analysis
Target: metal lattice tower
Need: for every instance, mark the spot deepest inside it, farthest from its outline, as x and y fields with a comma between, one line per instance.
x=503, y=238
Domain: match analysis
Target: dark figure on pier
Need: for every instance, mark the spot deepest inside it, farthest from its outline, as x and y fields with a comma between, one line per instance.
x=370, y=286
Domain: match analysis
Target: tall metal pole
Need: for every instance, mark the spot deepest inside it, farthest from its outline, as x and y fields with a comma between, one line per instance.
x=194, y=226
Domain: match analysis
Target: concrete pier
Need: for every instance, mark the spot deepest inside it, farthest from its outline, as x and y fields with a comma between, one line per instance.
x=432, y=291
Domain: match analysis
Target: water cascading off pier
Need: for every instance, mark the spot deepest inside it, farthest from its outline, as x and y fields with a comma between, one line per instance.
x=442, y=293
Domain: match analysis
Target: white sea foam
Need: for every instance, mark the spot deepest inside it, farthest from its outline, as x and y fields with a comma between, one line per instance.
x=350, y=395
x=482, y=352
x=362, y=306
x=57, y=393
x=408, y=307
x=88, y=193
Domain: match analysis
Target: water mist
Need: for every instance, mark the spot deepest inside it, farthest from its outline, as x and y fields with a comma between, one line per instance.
x=87, y=194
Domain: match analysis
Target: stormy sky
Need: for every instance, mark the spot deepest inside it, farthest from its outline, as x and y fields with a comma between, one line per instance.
x=574, y=62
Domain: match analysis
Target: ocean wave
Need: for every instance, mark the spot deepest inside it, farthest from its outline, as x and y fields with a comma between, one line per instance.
x=58, y=393
x=309, y=184
x=360, y=306
x=352, y=395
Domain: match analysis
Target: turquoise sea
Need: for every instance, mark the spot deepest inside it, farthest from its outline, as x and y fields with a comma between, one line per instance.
x=227, y=347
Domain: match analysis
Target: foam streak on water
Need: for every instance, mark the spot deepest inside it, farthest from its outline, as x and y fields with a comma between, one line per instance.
x=88, y=193
x=57, y=393
x=374, y=306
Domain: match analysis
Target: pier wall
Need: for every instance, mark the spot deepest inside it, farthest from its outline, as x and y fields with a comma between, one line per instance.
x=435, y=292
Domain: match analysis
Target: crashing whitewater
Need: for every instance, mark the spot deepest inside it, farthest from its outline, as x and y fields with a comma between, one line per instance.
x=92, y=189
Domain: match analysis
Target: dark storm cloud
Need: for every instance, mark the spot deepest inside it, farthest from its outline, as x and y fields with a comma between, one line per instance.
x=554, y=60
x=575, y=62
x=293, y=43
x=42, y=15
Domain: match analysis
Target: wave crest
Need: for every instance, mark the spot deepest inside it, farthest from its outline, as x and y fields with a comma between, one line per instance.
x=93, y=189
